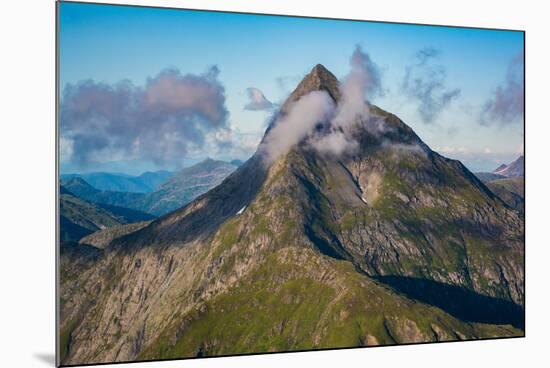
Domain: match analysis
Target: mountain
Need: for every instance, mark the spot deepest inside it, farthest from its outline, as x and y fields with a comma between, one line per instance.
x=144, y=183
x=102, y=238
x=186, y=185
x=514, y=169
x=486, y=176
x=174, y=193
x=127, y=215
x=84, y=190
x=80, y=218
x=392, y=243
x=511, y=191
x=507, y=183
x=153, y=179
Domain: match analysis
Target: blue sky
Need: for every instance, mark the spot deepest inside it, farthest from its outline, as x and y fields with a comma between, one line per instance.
x=108, y=44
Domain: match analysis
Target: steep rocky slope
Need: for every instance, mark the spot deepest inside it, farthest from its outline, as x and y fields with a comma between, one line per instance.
x=391, y=244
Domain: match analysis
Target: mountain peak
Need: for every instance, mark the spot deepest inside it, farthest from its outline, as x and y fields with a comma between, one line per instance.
x=78, y=181
x=516, y=168
x=321, y=71
x=318, y=79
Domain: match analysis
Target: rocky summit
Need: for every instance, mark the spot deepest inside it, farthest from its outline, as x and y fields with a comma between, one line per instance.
x=389, y=243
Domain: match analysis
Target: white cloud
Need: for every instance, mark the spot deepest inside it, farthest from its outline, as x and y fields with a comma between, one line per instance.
x=451, y=150
x=317, y=107
x=310, y=110
x=66, y=147
x=506, y=104
x=159, y=122
x=335, y=143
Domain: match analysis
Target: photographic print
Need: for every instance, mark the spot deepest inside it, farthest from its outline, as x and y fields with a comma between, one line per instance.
x=235, y=183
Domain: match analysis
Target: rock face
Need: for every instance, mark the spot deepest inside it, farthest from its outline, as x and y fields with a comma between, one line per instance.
x=319, y=79
x=391, y=244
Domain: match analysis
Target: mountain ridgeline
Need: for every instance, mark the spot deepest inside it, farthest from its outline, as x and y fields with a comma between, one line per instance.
x=176, y=191
x=147, y=182
x=512, y=170
x=79, y=217
x=391, y=243
x=507, y=181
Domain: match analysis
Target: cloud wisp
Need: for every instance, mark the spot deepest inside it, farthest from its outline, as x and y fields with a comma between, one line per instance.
x=160, y=122
x=506, y=105
x=362, y=82
x=425, y=83
x=319, y=122
x=310, y=110
x=257, y=100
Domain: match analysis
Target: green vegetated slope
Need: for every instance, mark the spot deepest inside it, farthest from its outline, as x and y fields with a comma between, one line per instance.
x=299, y=300
x=393, y=244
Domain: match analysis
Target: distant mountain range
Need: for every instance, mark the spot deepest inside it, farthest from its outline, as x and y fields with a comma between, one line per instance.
x=145, y=183
x=80, y=217
x=507, y=182
x=179, y=189
x=185, y=186
x=391, y=243
x=512, y=170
